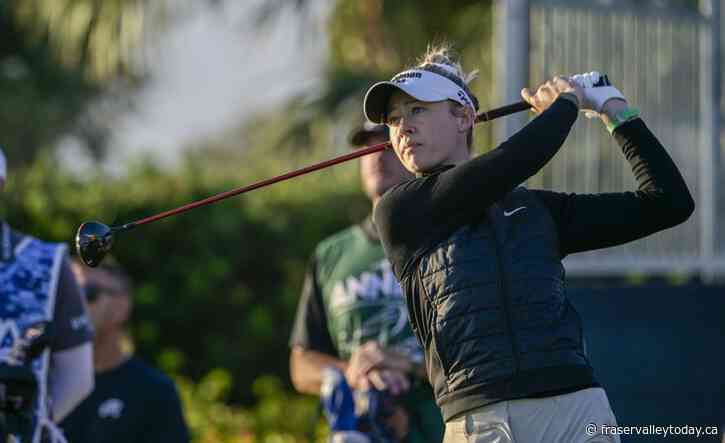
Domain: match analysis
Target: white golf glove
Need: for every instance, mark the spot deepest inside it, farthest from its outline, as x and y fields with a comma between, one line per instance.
x=597, y=91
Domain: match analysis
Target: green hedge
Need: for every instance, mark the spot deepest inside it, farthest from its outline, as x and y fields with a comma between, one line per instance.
x=216, y=288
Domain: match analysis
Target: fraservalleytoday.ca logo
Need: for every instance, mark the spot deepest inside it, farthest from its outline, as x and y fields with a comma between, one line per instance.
x=659, y=430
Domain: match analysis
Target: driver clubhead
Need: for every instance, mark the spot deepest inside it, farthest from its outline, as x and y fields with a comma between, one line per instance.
x=93, y=241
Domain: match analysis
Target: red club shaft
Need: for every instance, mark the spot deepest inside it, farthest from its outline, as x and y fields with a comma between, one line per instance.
x=481, y=117
x=215, y=198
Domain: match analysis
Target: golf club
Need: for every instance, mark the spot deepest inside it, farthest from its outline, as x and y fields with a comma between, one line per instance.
x=94, y=239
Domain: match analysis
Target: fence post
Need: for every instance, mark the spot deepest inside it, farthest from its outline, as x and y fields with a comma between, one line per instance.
x=512, y=60
x=710, y=76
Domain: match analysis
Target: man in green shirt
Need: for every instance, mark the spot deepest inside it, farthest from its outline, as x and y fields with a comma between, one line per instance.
x=352, y=315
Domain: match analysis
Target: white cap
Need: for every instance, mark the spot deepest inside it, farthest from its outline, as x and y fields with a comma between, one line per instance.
x=3, y=166
x=430, y=83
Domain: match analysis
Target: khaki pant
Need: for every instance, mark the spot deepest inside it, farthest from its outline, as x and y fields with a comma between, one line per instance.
x=564, y=418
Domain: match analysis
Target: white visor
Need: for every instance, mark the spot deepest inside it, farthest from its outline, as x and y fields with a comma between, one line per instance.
x=420, y=84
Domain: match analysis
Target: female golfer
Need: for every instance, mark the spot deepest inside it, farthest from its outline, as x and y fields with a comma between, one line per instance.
x=479, y=258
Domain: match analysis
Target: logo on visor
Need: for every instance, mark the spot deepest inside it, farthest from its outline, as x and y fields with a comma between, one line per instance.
x=462, y=96
x=403, y=77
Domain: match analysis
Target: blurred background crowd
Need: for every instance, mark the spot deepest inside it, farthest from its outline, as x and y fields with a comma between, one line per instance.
x=118, y=109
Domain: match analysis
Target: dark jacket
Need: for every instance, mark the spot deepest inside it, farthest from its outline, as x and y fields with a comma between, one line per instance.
x=492, y=311
x=479, y=260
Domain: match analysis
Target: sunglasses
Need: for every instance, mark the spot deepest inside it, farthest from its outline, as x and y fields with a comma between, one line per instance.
x=93, y=292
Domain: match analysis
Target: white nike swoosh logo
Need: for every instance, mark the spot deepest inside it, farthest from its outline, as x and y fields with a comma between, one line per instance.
x=510, y=213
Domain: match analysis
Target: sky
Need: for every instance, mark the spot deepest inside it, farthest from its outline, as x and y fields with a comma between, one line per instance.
x=209, y=71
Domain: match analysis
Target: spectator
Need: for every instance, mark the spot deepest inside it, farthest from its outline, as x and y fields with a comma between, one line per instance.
x=352, y=316
x=38, y=287
x=132, y=402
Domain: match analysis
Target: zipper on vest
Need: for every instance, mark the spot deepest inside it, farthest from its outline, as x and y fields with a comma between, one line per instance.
x=503, y=291
x=414, y=308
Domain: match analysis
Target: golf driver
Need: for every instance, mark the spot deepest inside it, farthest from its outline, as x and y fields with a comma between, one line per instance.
x=94, y=239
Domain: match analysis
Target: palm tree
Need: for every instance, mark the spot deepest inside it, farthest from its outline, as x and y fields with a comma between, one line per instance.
x=98, y=37
x=371, y=40
x=56, y=56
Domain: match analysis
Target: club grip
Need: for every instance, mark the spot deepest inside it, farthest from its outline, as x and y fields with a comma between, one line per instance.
x=502, y=111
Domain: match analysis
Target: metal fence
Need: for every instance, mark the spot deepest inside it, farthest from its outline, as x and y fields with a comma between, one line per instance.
x=661, y=59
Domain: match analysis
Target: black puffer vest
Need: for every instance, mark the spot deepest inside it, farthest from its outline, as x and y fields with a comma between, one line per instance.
x=489, y=306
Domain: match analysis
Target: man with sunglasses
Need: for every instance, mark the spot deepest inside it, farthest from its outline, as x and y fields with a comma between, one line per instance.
x=38, y=292
x=132, y=402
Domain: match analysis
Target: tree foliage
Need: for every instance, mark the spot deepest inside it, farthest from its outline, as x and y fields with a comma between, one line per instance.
x=56, y=57
x=41, y=99
x=372, y=40
x=98, y=37
x=216, y=289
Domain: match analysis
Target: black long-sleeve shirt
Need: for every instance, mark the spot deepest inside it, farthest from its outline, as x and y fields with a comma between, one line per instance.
x=414, y=216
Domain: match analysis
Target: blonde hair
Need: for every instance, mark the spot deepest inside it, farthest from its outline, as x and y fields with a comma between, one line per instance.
x=443, y=56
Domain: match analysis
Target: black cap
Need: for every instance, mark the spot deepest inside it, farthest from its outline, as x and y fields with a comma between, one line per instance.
x=359, y=136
